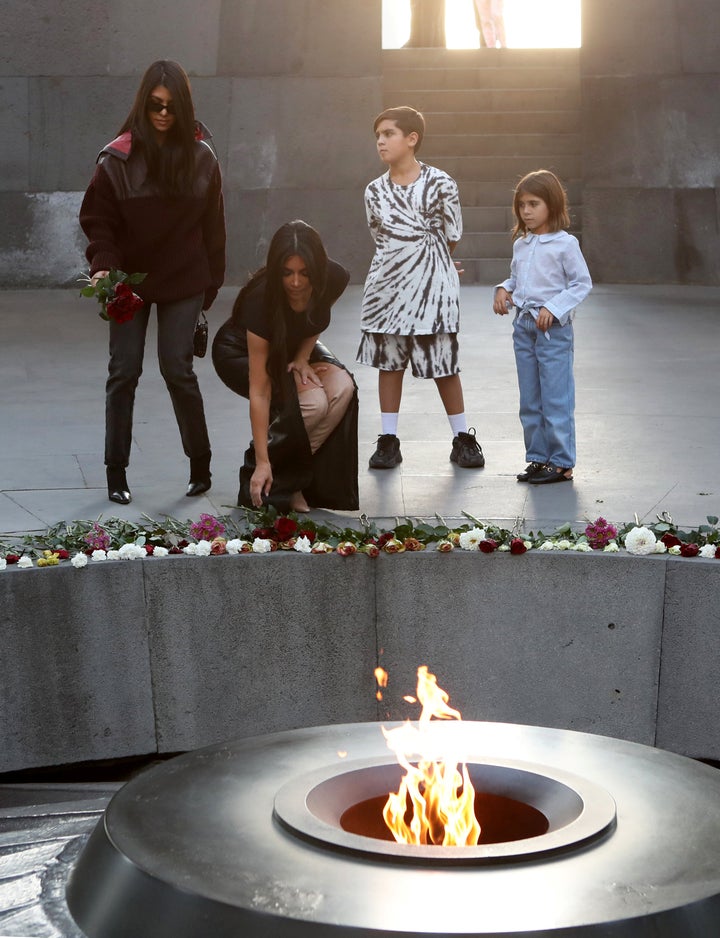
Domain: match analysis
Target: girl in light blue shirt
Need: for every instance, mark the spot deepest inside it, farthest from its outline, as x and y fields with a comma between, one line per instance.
x=548, y=279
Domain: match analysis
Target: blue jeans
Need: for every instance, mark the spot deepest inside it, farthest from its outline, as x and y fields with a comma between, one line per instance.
x=547, y=390
x=176, y=328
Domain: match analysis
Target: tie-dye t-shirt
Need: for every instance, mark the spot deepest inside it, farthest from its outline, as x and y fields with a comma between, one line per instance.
x=412, y=287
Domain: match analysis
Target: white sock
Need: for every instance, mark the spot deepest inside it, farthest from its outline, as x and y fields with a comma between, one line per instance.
x=458, y=423
x=389, y=423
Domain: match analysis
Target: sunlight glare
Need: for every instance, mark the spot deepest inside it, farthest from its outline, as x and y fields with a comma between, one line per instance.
x=529, y=24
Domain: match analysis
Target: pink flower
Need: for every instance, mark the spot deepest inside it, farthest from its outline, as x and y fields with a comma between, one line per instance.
x=97, y=538
x=207, y=528
x=599, y=533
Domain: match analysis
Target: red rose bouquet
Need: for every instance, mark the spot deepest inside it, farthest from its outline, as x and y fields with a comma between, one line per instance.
x=115, y=295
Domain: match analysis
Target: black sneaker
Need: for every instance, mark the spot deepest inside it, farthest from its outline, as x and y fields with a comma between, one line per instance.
x=387, y=454
x=529, y=471
x=466, y=451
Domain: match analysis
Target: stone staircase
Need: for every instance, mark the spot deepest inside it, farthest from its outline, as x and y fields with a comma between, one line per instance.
x=492, y=116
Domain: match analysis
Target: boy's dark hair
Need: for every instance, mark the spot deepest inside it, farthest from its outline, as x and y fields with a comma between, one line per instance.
x=546, y=186
x=407, y=119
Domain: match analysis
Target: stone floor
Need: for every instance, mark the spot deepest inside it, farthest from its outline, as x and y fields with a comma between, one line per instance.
x=648, y=424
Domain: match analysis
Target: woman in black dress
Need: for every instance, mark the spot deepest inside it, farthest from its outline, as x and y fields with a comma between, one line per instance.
x=303, y=402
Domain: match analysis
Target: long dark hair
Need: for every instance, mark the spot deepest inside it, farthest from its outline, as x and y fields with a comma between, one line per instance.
x=172, y=165
x=293, y=238
x=546, y=186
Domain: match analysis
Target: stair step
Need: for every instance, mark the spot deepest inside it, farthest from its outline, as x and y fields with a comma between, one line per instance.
x=481, y=58
x=463, y=79
x=502, y=122
x=535, y=145
x=499, y=191
x=510, y=167
x=483, y=270
x=494, y=99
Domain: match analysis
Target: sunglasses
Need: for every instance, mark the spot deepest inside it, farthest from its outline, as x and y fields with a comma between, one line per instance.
x=157, y=107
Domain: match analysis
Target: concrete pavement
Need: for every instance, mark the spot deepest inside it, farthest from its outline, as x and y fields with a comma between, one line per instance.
x=648, y=423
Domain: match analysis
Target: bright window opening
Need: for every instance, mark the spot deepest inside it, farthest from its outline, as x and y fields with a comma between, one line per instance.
x=529, y=24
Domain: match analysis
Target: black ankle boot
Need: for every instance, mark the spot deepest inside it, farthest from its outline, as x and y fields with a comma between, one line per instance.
x=118, y=490
x=199, y=476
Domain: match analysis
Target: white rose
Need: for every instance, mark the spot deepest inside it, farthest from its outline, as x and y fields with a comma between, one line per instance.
x=707, y=550
x=563, y=544
x=235, y=545
x=190, y=550
x=547, y=545
x=303, y=545
x=262, y=545
x=504, y=547
x=470, y=540
x=203, y=548
x=113, y=555
x=674, y=550
x=79, y=561
x=583, y=547
x=25, y=562
x=3, y=563
x=611, y=548
x=640, y=541
x=160, y=551
x=659, y=548
x=98, y=555
x=131, y=552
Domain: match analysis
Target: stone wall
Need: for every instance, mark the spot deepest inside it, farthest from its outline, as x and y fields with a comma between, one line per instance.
x=651, y=149
x=289, y=90
x=162, y=655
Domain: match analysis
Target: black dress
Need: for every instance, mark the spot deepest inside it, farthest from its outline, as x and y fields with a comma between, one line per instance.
x=328, y=479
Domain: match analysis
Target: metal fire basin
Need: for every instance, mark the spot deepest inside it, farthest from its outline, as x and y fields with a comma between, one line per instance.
x=217, y=843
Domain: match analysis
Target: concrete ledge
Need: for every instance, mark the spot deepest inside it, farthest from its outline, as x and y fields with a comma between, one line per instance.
x=127, y=658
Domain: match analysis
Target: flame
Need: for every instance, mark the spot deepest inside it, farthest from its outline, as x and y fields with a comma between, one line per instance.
x=381, y=677
x=435, y=801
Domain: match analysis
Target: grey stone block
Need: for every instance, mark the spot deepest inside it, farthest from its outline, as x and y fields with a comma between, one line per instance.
x=40, y=241
x=305, y=37
x=14, y=138
x=652, y=235
x=294, y=132
x=338, y=214
x=54, y=40
x=61, y=159
x=688, y=718
x=620, y=38
x=76, y=683
x=572, y=642
x=254, y=644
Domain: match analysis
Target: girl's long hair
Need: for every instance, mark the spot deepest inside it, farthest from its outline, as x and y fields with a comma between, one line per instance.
x=293, y=238
x=172, y=165
x=546, y=186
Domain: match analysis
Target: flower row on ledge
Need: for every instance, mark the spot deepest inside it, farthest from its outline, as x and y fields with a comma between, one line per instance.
x=83, y=542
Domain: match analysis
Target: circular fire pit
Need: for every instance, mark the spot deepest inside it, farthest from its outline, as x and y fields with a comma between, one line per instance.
x=278, y=836
x=524, y=810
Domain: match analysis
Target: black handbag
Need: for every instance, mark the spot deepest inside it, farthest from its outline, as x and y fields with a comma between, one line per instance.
x=200, y=338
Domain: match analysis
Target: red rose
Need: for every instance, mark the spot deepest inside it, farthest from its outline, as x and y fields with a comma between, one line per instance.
x=175, y=550
x=384, y=538
x=12, y=558
x=689, y=550
x=489, y=545
x=669, y=540
x=62, y=553
x=310, y=535
x=265, y=534
x=346, y=548
x=517, y=546
x=149, y=549
x=717, y=552
x=125, y=304
x=284, y=528
x=372, y=550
